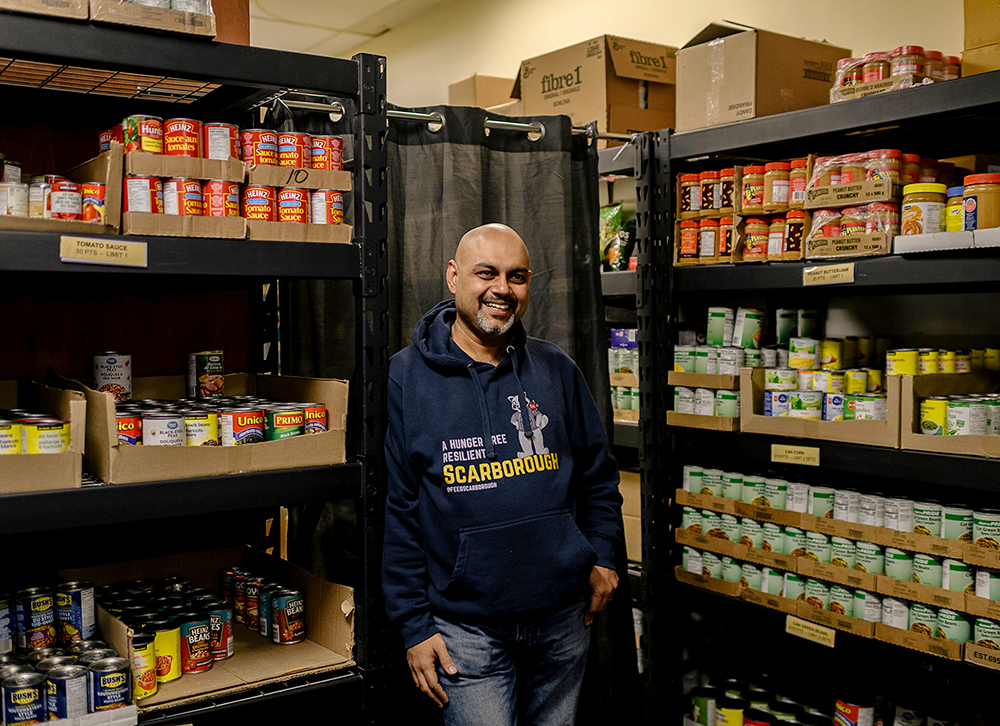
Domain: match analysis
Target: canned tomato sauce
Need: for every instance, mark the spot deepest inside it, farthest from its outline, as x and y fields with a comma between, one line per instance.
x=220, y=141
x=260, y=146
x=327, y=152
x=183, y=197
x=93, y=194
x=143, y=194
x=327, y=207
x=294, y=149
x=260, y=203
x=293, y=205
x=221, y=199
x=182, y=137
x=143, y=133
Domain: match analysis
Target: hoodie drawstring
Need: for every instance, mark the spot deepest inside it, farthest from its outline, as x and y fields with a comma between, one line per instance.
x=481, y=397
x=522, y=396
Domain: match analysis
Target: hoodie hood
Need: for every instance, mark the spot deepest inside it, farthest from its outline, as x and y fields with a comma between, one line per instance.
x=432, y=337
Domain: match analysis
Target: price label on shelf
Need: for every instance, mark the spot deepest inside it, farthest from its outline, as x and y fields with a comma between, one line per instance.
x=810, y=631
x=805, y=455
x=87, y=251
x=828, y=275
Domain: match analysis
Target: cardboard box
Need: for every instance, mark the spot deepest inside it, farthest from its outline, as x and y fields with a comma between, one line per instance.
x=775, y=602
x=984, y=59
x=232, y=21
x=919, y=642
x=920, y=543
x=629, y=380
x=293, y=176
x=626, y=416
x=772, y=559
x=934, y=242
x=732, y=589
x=709, y=423
x=982, y=24
x=257, y=661
x=839, y=528
x=872, y=433
x=769, y=514
x=706, y=501
x=289, y=232
x=511, y=108
x=633, y=538
x=183, y=225
x=982, y=607
x=602, y=79
x=120, y=12
x=840, y=575
x=121, y=464
x=981, y=556
x=631, y=492
x=915, y=592
x=711, y=544
x=975, y=164
x=873, y=88
x=916, y=388
x=980, y=656
x=105, y=168
x=480, y=90
x=184, y=167
x=20, y=473
x=78, y=9
x=856, y=626
x=864, y=245
x=703, y=380
x=853, y=195
x=728, y=73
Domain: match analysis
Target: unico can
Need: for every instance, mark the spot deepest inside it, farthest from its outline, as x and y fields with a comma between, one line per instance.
x=221, y=199
x=143, y=665
x=327, y=207
x=110, y=684
x=23, y=699
x=182, y=137
x=293, y=205
x=129, y=427
x=315, y=414
x=239, y=426
x=183, y=197
x=93, y=194
x=288, y=617
x=327, y=152
x=143, y=133
x=196, y=638
x=295, y=149
x=75, y=619
x=143, y=194
x=220, y=141
x=66, y=692
x=260, y=147
x=260, y=203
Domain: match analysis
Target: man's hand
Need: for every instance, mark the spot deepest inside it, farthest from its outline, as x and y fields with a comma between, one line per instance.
x=603, y=583
x=422, y=657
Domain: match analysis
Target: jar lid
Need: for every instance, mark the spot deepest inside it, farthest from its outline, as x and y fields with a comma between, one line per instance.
x=908, y=50
x=886, y=153
x=955, y=191
x=797, y=214
x=753, y=170
x=932, y=54
x=728, y=172
x=726, y=221
x=777, y=219
x=756, y=220
x=689, y=178
x=952, y=60
x=929, y=188
x=778, y=166
x=709, y=223
x=982, y=179
x=912, y=158
x=689, y=223
x=708, y=175
x=800, y=163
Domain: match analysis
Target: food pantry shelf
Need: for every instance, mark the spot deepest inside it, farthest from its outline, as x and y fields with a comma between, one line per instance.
x=100, y=505
x=618, y=284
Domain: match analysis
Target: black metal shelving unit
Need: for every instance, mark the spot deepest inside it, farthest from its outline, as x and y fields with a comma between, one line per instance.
x=969, y=107
x=233, y=80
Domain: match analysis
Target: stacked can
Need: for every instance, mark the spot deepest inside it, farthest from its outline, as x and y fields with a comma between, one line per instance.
x=960, y=415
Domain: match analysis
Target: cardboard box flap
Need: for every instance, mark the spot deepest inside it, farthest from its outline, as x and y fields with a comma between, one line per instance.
x=642, y=61
x=714, y=31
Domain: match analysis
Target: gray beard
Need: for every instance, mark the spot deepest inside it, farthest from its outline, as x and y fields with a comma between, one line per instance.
x=493, y=329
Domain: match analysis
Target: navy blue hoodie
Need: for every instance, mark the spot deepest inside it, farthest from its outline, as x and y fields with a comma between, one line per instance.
x=502, y=492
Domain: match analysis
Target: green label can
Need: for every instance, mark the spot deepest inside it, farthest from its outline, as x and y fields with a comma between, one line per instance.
x=787, y=324
x=986, y=633
x=693, y=478
x=772, y=581
x=899, y=514
x=817, y=594
x=711, y=482
x=923, y=619
x=795, y=542
x=802, y=353
x=872, y=511
x=732, y=571
x=956, y=523
x=753, y=358
x=755, y=491
x=867, y=606
x=870, y=558
x=747, y=328
x=721, y=322
x=752, y=533
x=727, y=404
x=821, y=502
x=899, y=564
x=701, y=359
x=934, y=416
x=703, y=700
x=927, y=518
x=711, y=523
x=842, y=600
x=895, y=613
x=752, y=577
x=684, y=399
x=818, y=547
x=774, y=538
x=283, y=422
x=776, y=491
x=691, y=519
x=986, y=528
x=732, y=485
x=795, y=587
x=206, y=374
x=781, y=379
x=927, y=570
x=987, y=584
x=731, y=528
x=797, y=499
x=684, y=358
x=954, y=626
x=847, y=505
x=806, y=404
x=691, y=560
x=711, y=565
x=958, y=577
x=843, y=552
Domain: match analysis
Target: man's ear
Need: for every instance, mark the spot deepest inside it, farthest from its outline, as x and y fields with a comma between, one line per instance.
x=451, y=276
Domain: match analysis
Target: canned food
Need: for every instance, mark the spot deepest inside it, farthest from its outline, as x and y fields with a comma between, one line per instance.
x=167, y=641
x=201, y=428
x=196, y=636
x=986, y=633
x=93, y=197
x=946, y=361
x=777, y=403
x=797, y=499
x=182, y=137
x=828, y=381
x=295, y=149
x=110, y=684
x=327, y=152
x=831, y=354
x=934, y=415
x=776, y=491
x=183, y=197
x=703, y=699
x=847, y=505
x=963, y=361
x=316, y=419
x=927, y=570
x=927, y=518
x=953, y=626
x=727, y=404
x=711, y=482
x=732, y=485
x=751, y=533
x=288, y=617
x=817, y=594
x=928, y=361
x=221, y=199
x=895, y=613
x=902, y=362
x=711, y=565
x=867, y=606
x=855, y=381
x=104, y=140
x=327, y=207
x=691, y=519
x=711, y=524
x=956, y=523
x=260, y=203
x=238, y=426
x=752, y=577
x=39, y=200
x=144, y=665
x=899, y=564
x=923, y=619
x=206, y=374
x=802, y=353
x=690, y=562
x=260, y=147
x=66, y=201
x=957, y=576
x=220, y=623
x=986, y=528
x=794, y=587
x=805, y=404
x=66, y=692
x=293, y=205
x=143, y=133
x=220, y=141
x=780, y=379
x=841, y=600
x=821, y=501
x=163, y=429
x=987, y=584
x=795, y=542
x=10, y=441
x=14, y=199
x=74, y=607
x=843, y=552
x=24, y=699
x=732, y=530
x=899, y=514
x=143, y=194
x=818, y=547
x=772, y=582
x=732, y=571
x=113, y=374
x=755, y=490
x=965, y=418
x=730, y=711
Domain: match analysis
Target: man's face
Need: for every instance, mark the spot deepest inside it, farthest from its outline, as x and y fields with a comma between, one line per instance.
x=490, y=279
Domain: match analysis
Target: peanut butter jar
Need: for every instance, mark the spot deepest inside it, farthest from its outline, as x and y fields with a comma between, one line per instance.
x=981, y=202
x=923, y=209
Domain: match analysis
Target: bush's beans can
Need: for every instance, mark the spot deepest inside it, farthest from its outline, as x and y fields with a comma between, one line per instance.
x=196, y=637
x=183, y=197
x=82, y=646
x=143, y=194
x=44, y=436
x=251, y=615
x=238, y=426
x=293, y=205
x=37, y=656
x=167, y=641
x=6, y=625
x=327, y=153
x=112, y=372
x=92, y=656
x=222, y=199
x=23, y=699
x=260, y=147
x=143, y=665
x=294, y=149
x=316, y=420
x=327, y=207
x=220, y=623
x=93, y=201
x=201, y=428
x=66, y=201
x=75, y=618
x=110, y=684
x=288, y=617
x=182, y=137
x=220, y=141
x=66, y=691
x=283, y=422
x=260, y=203
x=129, y=428
x=143, y=133
x=14, y=198
x=163, y=429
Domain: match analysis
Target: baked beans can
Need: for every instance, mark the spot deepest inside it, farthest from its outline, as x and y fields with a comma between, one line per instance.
x=220, y=622
x=227, y=576
x=201, y=428
x=143, y=133
x=163, y=429
x=143, y=194
x=327, y=207
x=220, y=141
x=251, y=598
x=327, y=153
x=295, y=149
x=288, y=617
x=143, y=665
x=75, y=616
x=315, y=415
x=243, y=425
x=129, y=428
x=167, y=641
x=110, y=684
x=260, y=203
x=54, y=661
x=222, y=199
x=182, y=137
x=66, y=691
x=93, y=201
x=23, y=699
x=92, y=656
x=41, y=654
x=183, y=197
x=65, y=201
x=44, y=436
x=14, y=198
x=112, y=371
x=293, y=205
x=283, y=422
x=206, y=374
x=260, y=147
x=39, y=199
x=196, y=636
x=36, y=618
x=82, y=646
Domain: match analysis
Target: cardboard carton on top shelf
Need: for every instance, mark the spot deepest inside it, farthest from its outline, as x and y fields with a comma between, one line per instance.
x=625, y=85
x=122, y=12
x=480, y=90
x=77, y=9
x=183, y=225
x=633, y=537
x=982, y=24
x=728, y=73
x=916, y=388
x=984, y=59
x=873, y=88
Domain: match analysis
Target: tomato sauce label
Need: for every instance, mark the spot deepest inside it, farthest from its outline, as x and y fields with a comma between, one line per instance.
x=93, y=202
x=221, y=141
x=183, y=197
x=143, y=133
x=222, y=199
x=182, y=137
x=260, y=147
x=327, y=207
x=294, y=149
x=260, y=203
x=293, y=205
x=327, y=152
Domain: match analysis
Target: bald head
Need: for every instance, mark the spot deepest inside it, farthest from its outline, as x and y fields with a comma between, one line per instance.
x=488, y=235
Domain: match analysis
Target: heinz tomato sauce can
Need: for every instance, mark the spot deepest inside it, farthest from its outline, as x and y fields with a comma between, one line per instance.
x=222, y=199
x=260, y=146
x=183, y=197
x=220, y=141
x=327, y=207
x=182, y=137
x=143, y=194
x=293, y=205
x=260, y=203
x=294, y=149
x=327, y=152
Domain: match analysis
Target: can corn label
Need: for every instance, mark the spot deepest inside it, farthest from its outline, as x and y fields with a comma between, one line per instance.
x=143, y=133
x=110, y=684
x=295, y=149
x=182, y=137
x=293, y=205
x=780, y=379
x=220, y=141
x=260, y=203
x=831, y=354
x=183, y=197
x=805, y=404
x=288, y=617
x=327, y=152
x=143, y=665
x=241, y=426
x=327, y=207
x=24, y=699
x=260, y=147
x=93, y=195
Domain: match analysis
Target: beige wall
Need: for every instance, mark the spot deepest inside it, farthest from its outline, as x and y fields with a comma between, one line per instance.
x=493, y=36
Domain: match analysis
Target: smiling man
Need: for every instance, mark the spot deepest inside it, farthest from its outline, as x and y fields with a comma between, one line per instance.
x=503, y=512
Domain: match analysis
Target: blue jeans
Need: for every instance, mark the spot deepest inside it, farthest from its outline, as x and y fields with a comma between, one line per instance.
x=526, y=673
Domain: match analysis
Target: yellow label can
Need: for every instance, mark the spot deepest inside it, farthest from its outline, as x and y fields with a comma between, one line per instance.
x=902, y=362
x=48, y=436
x=934, y=416
x=963, y=361
x=856, y=381
x=991, y=359
x=928, y=361
x=831, y=355
x=874, y=380
x=946, y=361
x=10, y=437
x=978, y=359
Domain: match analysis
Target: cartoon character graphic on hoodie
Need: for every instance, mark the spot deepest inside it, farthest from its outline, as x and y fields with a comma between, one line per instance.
x=536, y=422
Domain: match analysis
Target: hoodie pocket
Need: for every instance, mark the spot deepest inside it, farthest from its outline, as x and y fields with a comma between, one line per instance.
x=524, y=565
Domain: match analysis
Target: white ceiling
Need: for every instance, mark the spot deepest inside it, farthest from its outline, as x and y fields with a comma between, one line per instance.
x=328, y=27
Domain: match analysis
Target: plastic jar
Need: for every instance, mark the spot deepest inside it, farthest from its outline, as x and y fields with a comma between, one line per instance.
x=795, y=229
x=708, y=181
x=825, y=172
x=690, y=194
x=928, y=171
x=753, y=190
x=776, y=186
x=708, y=239
x=797, y=183
x=755, y=238
x=923, y=209
x=725, y=238
x=933, y=65
x=689, y=240
x=876, y=67
x=885, y=164
x=852, y=221
x=826, y=223
x=981, y=201
x=909, y=172
x=727, y=185
x=954, y=215
x=854, y=169
x=882, y=217
x=951, y=68
x=776, y=236
x=849, y=71
x=907, y=59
